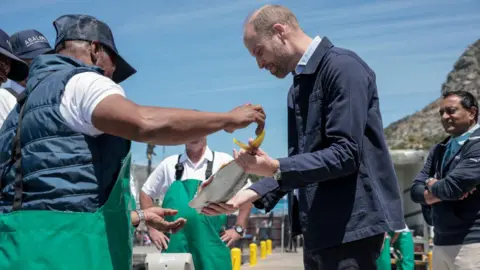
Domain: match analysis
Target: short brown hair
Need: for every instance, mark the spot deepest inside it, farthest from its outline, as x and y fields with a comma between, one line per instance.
x=265, y=17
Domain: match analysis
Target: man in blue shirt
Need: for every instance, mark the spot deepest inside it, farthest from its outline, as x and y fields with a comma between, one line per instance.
x=338, y=163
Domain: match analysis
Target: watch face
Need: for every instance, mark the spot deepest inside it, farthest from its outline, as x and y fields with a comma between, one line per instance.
x=238, y=229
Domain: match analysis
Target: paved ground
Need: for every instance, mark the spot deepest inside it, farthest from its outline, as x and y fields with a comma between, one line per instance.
x=279, y=261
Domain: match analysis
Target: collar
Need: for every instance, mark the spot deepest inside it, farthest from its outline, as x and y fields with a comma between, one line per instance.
x=9, y=84
x=314, y=61
x=306, y=56
x=208, y=155
x=460, y=140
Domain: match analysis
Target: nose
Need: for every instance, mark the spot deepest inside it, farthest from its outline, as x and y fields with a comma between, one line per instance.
x=260, y=63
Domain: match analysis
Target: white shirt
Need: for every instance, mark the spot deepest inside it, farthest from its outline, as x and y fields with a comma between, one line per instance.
x=7, y=100
x=83, y=92
x=163, y=176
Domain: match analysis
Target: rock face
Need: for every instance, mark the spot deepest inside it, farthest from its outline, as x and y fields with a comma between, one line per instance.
x=423, y=129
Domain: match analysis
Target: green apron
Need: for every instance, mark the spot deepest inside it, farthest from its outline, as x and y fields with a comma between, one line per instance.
x=404, y=249
x=49, y=240
x=384, y=260
x=201, y=234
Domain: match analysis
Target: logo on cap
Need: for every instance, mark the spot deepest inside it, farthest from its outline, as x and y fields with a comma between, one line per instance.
x=35, y=39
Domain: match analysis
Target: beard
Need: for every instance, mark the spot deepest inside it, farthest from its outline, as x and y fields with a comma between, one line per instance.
x=281, y=63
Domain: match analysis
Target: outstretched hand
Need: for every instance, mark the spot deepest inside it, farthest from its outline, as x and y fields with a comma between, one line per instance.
x=154, y=217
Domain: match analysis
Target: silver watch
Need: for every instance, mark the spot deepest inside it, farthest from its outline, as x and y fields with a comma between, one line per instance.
x=141, y=216
x=278, y=174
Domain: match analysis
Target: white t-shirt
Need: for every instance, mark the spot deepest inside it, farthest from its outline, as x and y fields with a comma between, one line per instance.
x=163, y=176
x=7, y=103
x=83, y=92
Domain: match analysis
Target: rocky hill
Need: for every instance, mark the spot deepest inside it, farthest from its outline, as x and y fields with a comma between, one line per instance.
x=422, y=129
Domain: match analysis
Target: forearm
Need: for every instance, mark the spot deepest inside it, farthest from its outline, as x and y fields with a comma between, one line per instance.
x=243, y=214
x=145, y=201
x=169, y=126
x=135, y=219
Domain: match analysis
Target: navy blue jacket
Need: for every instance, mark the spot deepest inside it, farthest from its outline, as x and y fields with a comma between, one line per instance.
x=63, y=170
x=337, y=154
x=455, y=221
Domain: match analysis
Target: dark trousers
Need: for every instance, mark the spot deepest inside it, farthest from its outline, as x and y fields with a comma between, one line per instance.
x=360, y=255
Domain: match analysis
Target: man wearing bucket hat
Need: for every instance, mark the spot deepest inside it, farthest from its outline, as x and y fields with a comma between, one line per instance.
x=65, y=182
x=11, y=68
x=26, y=45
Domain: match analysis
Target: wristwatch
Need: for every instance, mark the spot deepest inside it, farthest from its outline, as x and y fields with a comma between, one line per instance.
x=238, y=229
x=427, y=187
x=278, y=174
x=141, y=216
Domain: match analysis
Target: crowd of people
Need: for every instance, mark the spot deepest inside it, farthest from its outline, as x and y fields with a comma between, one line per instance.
x=67, y=127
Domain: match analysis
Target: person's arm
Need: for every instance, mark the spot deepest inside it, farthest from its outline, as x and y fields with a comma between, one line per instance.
x=346, y=100
x=417, y=190
x=154, y=186
x=243, y=215
x=462, y=179
x=121, y=117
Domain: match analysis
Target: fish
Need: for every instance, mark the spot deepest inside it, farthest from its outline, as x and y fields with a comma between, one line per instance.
x=227, y=181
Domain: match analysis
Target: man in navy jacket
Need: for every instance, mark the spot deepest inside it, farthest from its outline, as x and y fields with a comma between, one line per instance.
x=338, y=162
x=446, y=187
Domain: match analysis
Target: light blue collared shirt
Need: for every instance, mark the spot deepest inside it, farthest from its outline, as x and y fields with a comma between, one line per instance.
x=307, y=55
x=455, y=143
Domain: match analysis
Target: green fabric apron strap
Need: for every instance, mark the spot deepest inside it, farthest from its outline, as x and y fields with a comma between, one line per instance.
x=41, y=240
x=201, y=234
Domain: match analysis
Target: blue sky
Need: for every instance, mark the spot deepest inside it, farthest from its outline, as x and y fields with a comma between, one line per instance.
x=190, y=54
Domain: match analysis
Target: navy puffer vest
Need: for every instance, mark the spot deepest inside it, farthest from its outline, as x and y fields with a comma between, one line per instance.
x=62, y=169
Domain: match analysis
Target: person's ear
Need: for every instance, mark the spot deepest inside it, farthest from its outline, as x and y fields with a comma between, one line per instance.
x=280, y=30
x=95, y=49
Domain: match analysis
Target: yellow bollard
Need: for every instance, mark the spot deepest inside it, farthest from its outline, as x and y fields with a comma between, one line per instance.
x=430, y=267
x=236, y=258
x=263, y=249
x=269, y=247
x=253, y=254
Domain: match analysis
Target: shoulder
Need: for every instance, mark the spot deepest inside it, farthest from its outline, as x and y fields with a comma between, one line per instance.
x=173, y=159
x=89, y=80
x=222, y=156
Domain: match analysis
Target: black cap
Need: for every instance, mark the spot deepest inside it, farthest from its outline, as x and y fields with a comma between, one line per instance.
x=19, y=69
x=88, y=28
x=29, y=44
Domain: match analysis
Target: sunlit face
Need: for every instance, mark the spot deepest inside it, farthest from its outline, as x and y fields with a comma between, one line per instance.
x=5, y=65
x=456, y=120
x=270, y=51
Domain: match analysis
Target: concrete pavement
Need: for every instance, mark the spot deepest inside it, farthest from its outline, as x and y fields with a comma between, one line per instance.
x=279, y=261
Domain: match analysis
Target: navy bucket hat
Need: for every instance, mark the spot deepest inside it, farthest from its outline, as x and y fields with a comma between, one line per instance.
x=18, y=69
x=88, y=28
x=29, y=44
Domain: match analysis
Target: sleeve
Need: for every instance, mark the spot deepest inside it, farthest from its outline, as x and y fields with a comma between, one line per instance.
x=418, y=186
x=462, y=179
x=157, y=184
x=83, y=92
x=347, y=100
x=270, y=193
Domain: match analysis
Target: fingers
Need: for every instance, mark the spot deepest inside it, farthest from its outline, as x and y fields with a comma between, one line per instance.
x=230, y=242
x=216, y=209
x=169, y=212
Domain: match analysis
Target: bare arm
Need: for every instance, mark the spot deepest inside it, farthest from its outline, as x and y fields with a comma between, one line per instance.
x=121, y=117
x=243, y=215
x=145, y=200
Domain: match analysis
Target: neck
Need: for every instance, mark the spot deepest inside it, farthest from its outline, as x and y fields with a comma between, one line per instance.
x=195, y=154
x=470, y=127
x=77, y=55
x=300, y=43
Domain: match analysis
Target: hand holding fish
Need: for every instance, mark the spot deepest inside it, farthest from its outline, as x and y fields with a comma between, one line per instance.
x=256, y=161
